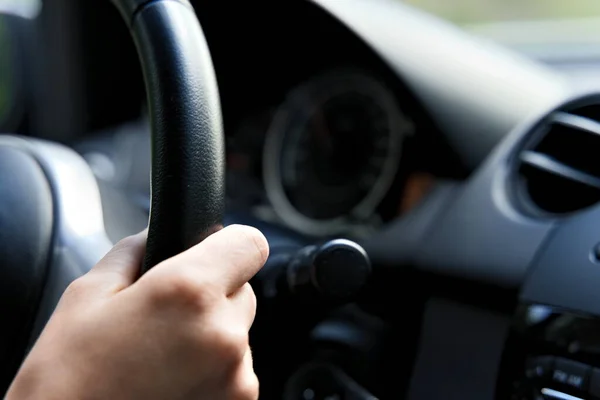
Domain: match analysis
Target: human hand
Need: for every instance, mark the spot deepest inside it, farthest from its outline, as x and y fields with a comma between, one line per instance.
x=179, y=332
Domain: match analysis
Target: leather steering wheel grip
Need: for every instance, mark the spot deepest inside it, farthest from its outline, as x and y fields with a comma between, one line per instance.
x=188, y=161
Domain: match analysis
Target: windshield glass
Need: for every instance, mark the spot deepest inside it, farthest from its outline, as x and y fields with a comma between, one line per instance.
x=541, y=26
x=23, y=8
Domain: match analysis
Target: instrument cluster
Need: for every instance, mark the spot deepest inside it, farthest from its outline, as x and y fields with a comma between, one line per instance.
x=329, y=157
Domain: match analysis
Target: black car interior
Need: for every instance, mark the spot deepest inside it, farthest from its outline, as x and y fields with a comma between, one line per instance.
x=430, y=202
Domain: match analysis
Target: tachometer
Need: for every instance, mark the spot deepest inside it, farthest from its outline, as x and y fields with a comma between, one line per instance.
x=332, y=152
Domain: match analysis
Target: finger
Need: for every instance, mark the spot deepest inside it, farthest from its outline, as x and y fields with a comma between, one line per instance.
x=248, y=362
x=244, y=303
x=245, y=383
x=120, y=267
x=228, y=258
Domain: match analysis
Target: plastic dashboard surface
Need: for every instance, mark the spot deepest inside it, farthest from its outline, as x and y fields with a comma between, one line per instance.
x=566, y=273
x=478, y=235
x=430, y=55
x=462, y=363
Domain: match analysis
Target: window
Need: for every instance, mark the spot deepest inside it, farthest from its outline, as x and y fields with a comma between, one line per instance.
x=545, y=28
x=465, y=12
x=23, y=8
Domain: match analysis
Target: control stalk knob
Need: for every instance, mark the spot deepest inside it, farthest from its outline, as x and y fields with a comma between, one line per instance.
x=336, y=270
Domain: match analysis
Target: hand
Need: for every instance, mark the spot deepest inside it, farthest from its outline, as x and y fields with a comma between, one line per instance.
x=179, y=332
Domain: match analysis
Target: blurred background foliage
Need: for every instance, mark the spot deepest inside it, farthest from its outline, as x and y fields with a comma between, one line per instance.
x=481, y=11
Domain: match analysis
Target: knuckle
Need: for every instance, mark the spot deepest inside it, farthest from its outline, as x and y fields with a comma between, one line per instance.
x=181, y=286
x=126, y=242
x=231, y=345
x=246, y=388
x=205, y=296
x=250, y=296
x=171, y=284
x=77, y=288
x=122, y=247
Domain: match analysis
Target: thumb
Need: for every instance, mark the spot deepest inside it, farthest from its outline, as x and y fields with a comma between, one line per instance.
x=120, y=267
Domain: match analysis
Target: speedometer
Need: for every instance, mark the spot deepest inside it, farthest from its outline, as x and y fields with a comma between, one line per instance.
x=332, y=152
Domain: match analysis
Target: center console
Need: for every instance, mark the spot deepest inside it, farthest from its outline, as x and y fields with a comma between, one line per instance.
x=551, y=354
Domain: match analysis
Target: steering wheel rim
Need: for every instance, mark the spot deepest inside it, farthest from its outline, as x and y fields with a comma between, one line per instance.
x=188, y=170
x=188, y=162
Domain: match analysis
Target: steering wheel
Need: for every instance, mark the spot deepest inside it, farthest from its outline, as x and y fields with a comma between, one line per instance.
x=51, y=224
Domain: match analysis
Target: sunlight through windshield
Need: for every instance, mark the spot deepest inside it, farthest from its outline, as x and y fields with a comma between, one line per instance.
x=535, y=25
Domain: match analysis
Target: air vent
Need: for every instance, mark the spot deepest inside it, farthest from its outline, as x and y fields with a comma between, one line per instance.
x=559, y=171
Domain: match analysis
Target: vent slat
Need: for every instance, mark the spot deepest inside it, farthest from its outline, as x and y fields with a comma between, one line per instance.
x=559, y=167
x=576, y=122
x=551, y=165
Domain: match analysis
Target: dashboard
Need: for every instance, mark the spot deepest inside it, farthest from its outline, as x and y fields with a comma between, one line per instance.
x=370, y=120
x=336, y=155
x=332, y=151
x=333, y=157
x=331, y=128
x=322, y=137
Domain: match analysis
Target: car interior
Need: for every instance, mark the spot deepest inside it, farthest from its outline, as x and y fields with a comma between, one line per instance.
x=429, y=191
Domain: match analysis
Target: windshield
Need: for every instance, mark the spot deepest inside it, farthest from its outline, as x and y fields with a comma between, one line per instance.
x=545, y=27
x=23, y=8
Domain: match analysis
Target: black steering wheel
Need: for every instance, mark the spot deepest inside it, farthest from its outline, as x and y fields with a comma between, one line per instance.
x=51, y=224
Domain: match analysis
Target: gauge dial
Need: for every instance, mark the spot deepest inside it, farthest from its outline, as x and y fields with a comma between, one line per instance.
x=332, y=152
